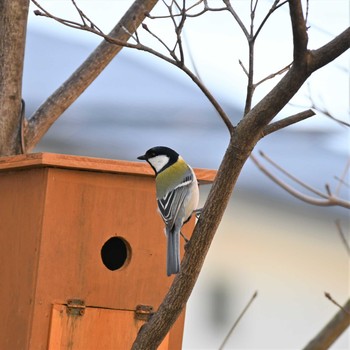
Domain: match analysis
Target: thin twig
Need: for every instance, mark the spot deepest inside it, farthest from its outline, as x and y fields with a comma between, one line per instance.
x=244, y=69
x=307, y=11
x=24, y=123
x=342, y=178
x=329, y=297
x=238, y=320
x=328, y=190
x=342, y=236
x=273, y=75
x=205, y=9
x=81, y=14
x=211, y=98
x=273, y=8
x=173, y=60
x=178, y=27
x=236, y=17
x=191, y=57
x=171, y=52
x=342, y=182
x=323, y=109
x=325, y=202
x=292, y=177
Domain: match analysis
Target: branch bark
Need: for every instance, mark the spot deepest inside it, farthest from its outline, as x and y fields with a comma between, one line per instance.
x=331, y=332
x=293, y=119
x=300, y=37
x=13, y=25
x=75, y=85
x=330, y=51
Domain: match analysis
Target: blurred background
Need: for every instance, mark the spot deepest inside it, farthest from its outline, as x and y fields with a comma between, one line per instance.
x=289, y=251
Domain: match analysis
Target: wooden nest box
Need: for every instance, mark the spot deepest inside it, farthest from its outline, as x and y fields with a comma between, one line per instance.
x=82, y=253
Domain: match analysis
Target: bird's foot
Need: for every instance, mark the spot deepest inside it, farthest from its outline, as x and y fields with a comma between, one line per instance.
x=198, y=212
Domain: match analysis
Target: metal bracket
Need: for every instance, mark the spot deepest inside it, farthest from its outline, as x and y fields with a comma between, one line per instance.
x=75, y=307
x=144, y=312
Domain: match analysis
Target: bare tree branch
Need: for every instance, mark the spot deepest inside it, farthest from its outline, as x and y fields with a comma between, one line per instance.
x=174, y=60
x=273, y=75
x=323, y=109
x=71, y=89
x=342, y=178
x=244, y=68
x=329, y=52
x=206, y=8
x=296, y=118
x=273, y=8
x=300, y=37
x=238, y=320
x=251, y=37
x=332, y=330
x=236, y=17
x=328, y=200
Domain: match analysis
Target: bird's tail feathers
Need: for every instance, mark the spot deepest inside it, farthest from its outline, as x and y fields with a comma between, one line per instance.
x=173, y=251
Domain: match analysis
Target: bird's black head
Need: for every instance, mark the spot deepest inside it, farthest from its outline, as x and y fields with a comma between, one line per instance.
x=160, y=157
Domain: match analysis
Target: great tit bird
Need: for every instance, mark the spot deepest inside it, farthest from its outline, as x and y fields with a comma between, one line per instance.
x=177, y=197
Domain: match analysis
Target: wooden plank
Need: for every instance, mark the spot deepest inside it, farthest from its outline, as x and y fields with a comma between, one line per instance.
x=34, y=160
x=97, y=329
x=22, y=202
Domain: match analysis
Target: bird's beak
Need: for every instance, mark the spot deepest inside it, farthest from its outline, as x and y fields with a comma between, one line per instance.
x=142, y=157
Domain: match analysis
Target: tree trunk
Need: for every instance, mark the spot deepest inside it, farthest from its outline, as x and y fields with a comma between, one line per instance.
x=13, y=25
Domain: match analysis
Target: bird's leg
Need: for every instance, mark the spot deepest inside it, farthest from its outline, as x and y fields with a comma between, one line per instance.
x=184, y=237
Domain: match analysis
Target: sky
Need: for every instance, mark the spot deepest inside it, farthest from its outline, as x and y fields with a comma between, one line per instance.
x=217, y=44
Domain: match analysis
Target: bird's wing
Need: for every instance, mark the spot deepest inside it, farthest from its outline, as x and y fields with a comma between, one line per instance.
x=170, y=204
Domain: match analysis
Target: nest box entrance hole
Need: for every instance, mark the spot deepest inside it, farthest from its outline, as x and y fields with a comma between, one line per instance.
x=115, y=253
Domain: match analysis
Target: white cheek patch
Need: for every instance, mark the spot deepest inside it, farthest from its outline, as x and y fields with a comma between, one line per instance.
x=159, y=162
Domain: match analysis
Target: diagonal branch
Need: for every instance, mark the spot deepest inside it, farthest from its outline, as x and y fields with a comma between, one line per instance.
x=75, y=85
x=332, y=330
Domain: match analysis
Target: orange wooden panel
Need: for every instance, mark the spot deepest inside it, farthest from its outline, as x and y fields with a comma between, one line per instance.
x=22, y=195
x=97, y=329
x=89, y=163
